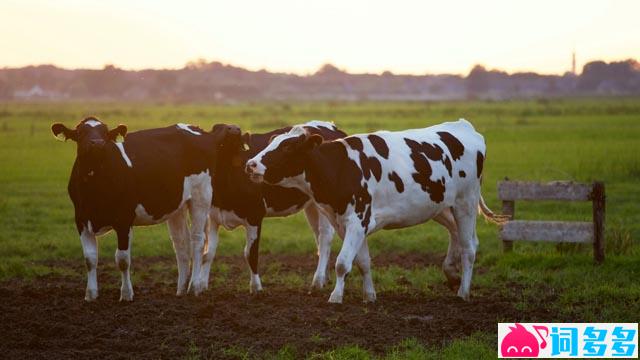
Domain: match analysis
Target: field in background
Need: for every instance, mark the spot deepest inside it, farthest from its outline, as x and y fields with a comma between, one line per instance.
x=581, y=140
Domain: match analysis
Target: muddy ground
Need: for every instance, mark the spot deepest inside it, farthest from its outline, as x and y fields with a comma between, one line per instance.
x=46, y=317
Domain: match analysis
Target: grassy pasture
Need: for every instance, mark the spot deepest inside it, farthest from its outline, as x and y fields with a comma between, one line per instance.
x=581, y=140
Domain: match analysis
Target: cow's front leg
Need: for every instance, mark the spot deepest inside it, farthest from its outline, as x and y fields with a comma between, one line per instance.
x=363, y=260
x=323, y=231
x=123, y=261
x=352, y=242
x=251, y=254
x=90, y=250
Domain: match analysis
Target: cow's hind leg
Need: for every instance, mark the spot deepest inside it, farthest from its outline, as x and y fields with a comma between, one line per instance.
x=179, y=232
x=209, y=252
x=451, y=261
x=363, y=260
x=90, y=250
x=323, y=231
x=251, y=254
x=354, y=237
x=465, y=213
x=123, y=261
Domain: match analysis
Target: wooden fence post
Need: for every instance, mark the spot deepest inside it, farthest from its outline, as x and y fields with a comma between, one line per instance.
x=598, y=198
x=508, y=208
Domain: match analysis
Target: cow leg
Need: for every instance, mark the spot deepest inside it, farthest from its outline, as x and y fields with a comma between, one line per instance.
x=363, y=260
x=179, y=232
x=251, y=253
x=123, y=261
x=450, y=264
x=209, y=252
x=323, y=231
x=354, y=237
x=90, y=251
x=465, y=213
x=199, y=209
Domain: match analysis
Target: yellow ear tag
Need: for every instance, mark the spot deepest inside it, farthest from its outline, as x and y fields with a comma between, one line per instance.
x=60, y=137
x=245, y=146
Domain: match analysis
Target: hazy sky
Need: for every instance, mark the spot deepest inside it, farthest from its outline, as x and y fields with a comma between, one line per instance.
x=421, y=36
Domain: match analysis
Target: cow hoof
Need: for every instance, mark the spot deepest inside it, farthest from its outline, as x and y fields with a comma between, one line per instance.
x=91, y=295
x=369, y=297
x=463, y=296
x=126, y=297
x=335, y=298
x=195, y=288
x=318, y=282
x=255, y=289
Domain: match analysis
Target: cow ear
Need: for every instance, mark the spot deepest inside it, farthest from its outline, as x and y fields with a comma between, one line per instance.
x=246, y=139
x=62, y=133
x=313, y=141
x=120, y=130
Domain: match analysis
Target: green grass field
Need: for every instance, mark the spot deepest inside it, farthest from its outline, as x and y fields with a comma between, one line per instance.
x=581, y=140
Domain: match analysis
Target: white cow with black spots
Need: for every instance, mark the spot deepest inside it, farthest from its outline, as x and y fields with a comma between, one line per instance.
x=385, y=180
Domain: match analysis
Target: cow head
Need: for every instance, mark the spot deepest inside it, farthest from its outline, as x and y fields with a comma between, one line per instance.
x=91, y=136
x=284, y=157
x=229, y=137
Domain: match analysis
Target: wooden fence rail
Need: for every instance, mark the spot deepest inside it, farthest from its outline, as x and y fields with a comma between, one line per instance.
x=553, y=231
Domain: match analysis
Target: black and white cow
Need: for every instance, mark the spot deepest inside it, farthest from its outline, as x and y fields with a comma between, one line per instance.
x=151, y=177
x=384, y=180
x=237, y=201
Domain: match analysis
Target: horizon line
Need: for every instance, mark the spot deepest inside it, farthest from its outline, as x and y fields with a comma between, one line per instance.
x=309, y=73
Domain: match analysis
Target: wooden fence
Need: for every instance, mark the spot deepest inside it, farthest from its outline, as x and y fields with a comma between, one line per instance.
x=553, y=231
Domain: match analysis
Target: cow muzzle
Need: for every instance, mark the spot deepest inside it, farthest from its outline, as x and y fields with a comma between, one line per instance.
x=252, y=169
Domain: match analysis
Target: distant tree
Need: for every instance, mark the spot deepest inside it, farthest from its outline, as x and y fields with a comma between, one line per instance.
x=328, y=69
x=478, y=80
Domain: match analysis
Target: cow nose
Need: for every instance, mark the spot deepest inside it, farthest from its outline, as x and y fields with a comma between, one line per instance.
x=251, y=165
x=234, y=130
x=96, y=142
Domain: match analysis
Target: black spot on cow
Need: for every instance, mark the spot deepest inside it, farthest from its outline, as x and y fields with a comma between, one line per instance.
x=447, y=164
x=370, y=164
x=423, y=169
x=479, y=163
x=355, y=143
x=397, y=181
x=453, y=144
x=379, y=145
x=462, y=174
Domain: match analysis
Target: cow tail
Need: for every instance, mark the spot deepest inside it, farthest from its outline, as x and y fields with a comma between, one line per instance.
x=490, y=216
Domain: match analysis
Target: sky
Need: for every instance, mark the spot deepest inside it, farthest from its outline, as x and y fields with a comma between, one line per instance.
x=299, y=36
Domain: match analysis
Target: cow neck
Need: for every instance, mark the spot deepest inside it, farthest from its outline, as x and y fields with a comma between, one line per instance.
x=104, y=171
x=320, y=169
x=225, y=174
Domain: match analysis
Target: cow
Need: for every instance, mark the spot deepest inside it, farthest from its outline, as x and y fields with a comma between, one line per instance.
x=238, y=201
x=155, y=175
x=385, y=180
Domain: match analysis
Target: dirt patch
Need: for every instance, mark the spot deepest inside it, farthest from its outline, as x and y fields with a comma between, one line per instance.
x=48, y=318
